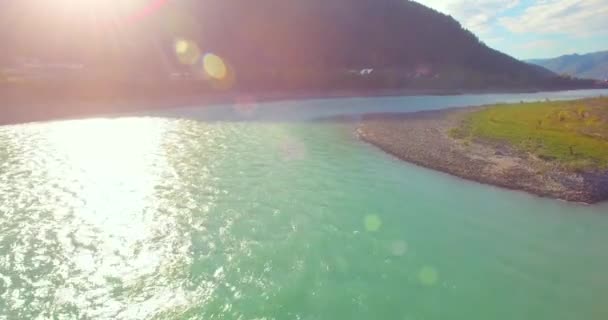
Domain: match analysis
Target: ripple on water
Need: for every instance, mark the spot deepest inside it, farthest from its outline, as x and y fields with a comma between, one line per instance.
x=91, y=225
x=140, y=218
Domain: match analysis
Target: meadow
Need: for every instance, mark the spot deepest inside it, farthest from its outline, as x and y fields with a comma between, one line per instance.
x=573, y=134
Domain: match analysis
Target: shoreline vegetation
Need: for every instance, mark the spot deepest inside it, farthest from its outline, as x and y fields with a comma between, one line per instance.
x=44, y=102
x=550, y=149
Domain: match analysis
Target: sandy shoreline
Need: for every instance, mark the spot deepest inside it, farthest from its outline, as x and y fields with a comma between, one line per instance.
x=422, y=138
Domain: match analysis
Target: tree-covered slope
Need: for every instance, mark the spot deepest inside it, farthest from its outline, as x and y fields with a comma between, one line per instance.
x=272, y=43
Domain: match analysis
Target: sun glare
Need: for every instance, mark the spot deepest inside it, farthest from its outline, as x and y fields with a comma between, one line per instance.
x=111, y=159
x=113, y=163
x=102, y=10
x=104, y=173
x=103, y=139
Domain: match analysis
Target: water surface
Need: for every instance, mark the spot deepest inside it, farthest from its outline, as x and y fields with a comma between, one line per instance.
x=252, y=212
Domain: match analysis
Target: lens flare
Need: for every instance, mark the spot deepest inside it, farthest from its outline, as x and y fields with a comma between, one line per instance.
x=245, y=105
x=187, y=52
x=214, y=66
x=428, y=276
x=399, y=248
x=147, y=10
x=372, y=223
x=225, y=83
x=292, y=149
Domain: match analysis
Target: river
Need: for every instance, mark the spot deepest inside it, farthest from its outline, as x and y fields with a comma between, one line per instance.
x=253, y=211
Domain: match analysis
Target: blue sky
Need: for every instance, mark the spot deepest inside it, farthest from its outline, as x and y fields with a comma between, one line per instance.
x=529, y=29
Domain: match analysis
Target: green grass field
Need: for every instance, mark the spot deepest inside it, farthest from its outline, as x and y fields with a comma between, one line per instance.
x=571, y=133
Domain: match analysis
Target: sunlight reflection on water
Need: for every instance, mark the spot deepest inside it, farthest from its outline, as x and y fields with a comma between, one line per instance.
x=96, y=179
x=170, y=218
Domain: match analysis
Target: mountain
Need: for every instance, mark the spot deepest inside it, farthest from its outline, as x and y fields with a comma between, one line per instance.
x=591, y=65
x=271, y=43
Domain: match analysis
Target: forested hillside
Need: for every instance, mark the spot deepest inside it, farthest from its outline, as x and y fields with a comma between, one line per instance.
x=272, y=44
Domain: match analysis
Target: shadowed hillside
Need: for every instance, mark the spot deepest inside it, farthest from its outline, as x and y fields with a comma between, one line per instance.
x=272, y=44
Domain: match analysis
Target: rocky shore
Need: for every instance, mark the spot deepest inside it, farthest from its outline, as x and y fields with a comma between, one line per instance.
x=423, y=138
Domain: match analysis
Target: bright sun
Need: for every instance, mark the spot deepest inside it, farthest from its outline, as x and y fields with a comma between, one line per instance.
x=105, y=8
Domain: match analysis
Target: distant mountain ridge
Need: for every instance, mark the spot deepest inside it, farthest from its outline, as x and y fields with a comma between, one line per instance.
x=281, y=44
x=592, y=65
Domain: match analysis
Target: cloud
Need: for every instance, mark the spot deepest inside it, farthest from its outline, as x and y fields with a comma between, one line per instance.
x=538, y=44
x=569, y=17
x=532, y=28
x=479, y=16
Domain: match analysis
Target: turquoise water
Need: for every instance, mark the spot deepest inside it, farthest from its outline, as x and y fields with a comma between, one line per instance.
x=197, y=214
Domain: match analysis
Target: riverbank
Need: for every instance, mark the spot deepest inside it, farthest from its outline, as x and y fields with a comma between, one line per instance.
x=427, y=139
x=23, y=104
x=43, y=104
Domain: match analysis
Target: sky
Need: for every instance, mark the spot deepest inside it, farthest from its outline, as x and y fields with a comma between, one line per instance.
x=530, y=29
